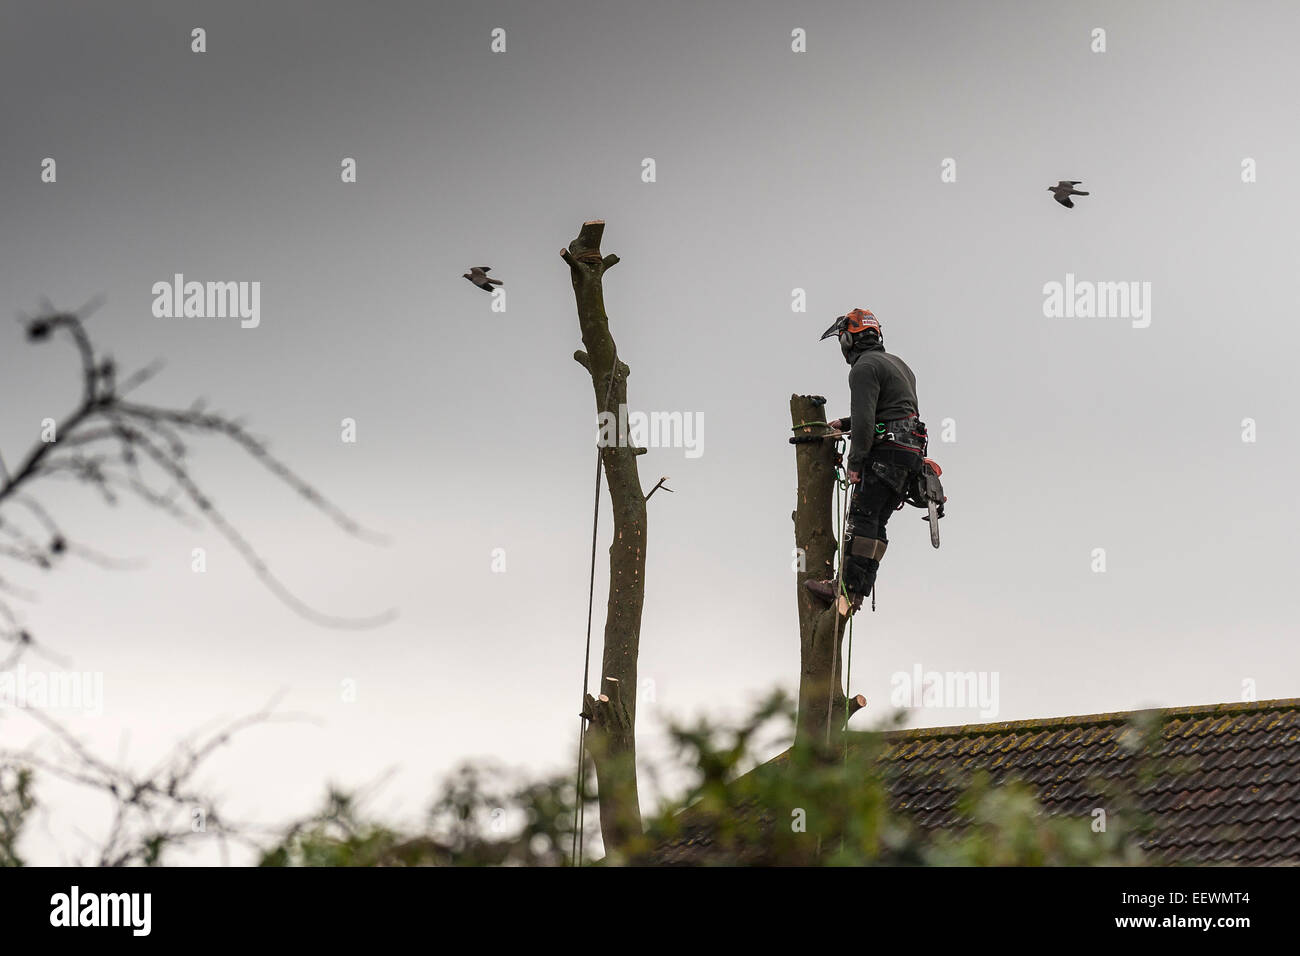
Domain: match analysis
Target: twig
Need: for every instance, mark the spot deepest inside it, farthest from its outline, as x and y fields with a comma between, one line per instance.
x=659, y=484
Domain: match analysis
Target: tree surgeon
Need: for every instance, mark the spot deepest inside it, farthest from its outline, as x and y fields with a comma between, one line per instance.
x=886, y=453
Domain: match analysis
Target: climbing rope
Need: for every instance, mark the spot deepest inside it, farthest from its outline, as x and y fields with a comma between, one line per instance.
x=579, y=809
x=580, y=802
x=842, y=491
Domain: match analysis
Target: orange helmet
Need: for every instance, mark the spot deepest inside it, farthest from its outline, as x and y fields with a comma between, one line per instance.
x=859, y=320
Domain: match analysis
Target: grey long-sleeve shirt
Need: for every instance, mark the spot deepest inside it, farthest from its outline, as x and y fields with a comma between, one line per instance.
x=881, y=388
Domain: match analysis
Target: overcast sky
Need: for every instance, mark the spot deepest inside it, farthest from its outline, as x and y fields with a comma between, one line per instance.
x=775, y=170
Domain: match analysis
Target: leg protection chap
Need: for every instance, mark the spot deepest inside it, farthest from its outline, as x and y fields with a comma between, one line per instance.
x=868, y=548
x=861, y=559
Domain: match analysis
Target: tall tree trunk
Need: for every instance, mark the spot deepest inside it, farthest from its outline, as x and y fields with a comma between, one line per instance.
x=611, y=731
x=821, y=701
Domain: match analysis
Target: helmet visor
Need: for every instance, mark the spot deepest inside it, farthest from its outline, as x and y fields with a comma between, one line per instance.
x=837, y=327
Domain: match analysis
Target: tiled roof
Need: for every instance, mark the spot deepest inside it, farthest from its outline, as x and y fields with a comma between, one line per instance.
x=1219, y=784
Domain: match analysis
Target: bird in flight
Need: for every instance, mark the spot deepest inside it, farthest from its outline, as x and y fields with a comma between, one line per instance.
x=1063, y=190
x=479, y=276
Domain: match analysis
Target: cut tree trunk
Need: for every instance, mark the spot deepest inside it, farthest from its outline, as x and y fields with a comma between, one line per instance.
x=821, y=629
x=611, y=715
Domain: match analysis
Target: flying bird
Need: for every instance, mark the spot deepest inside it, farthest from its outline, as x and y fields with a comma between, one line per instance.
x=1063, y=190
x=479, y=276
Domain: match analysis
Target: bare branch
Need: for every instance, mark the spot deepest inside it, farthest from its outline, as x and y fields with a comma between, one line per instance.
x=102, y=443
x=659, y=484
x=151, y=811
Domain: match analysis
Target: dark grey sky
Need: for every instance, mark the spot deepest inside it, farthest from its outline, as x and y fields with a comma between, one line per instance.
x=775, y=171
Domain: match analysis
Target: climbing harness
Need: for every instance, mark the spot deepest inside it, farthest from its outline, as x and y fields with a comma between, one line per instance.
x=908, y=432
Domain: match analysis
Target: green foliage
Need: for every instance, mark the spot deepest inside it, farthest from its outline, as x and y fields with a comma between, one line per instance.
x=16, y=802
x=1008, y=828
x=807, y=807
x=475, y=821
x=810, y=807
x=338, y=836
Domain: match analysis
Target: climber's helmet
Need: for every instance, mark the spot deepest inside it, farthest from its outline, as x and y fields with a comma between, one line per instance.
x=854, y=330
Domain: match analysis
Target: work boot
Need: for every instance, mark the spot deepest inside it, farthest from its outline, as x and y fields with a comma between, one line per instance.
x=826, y=591
x=823, y=589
